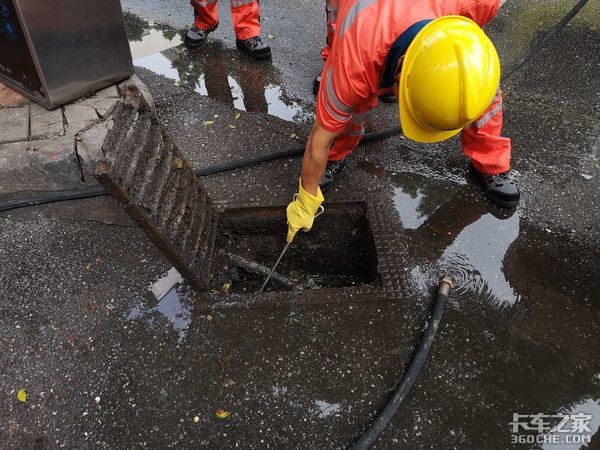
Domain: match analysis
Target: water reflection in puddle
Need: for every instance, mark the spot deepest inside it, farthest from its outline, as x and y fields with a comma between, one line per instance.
x=215, y=71
x=174, y=304
x=458, y=235
x=475, y=260
x=587, y=414
x=327, y=409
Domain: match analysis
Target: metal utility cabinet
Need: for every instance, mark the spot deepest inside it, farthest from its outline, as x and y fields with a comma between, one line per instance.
x=56, y=51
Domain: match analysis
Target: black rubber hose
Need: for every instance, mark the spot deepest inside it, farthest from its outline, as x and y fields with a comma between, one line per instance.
x=294, y=151
x=415, y=368
x=52, y=197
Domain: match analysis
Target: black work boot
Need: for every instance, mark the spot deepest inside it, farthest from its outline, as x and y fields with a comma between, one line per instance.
x=388, y=97
x=255, y=47
x=499, y=188
x=196, y=37
x=316, y=85
x=332, y=168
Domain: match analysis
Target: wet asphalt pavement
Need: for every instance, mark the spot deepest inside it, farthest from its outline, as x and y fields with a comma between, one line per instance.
x=109, y=361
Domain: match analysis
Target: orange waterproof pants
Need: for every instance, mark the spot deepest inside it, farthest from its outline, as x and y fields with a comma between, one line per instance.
x=245, y=14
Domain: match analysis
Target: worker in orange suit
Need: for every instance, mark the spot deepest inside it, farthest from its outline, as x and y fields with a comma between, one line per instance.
x=246, y=24
x=445, y=72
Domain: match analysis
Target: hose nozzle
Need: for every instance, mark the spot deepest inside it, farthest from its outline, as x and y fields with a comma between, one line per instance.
x=445, y=285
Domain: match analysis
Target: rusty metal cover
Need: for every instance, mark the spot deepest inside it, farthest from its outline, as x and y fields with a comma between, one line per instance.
x=144, y=170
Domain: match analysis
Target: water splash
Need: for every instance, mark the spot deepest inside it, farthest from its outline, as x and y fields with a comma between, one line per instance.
x=475, y=261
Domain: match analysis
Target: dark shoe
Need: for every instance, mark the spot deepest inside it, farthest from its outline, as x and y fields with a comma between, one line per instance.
x=499, y=188
x=196, y=37
x=388, y=97
x=255, y=47
x=332, y=168
x=316, y=85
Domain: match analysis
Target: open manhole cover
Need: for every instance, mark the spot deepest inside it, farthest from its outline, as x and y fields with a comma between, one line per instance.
x=352, y=252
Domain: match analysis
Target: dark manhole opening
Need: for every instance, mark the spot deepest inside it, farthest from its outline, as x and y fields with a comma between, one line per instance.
x=338, y=251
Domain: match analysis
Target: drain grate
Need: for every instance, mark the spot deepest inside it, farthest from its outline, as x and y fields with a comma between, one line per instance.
x=144, y=170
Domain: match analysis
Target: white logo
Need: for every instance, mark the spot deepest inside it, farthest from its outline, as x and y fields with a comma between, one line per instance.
x=551, y=428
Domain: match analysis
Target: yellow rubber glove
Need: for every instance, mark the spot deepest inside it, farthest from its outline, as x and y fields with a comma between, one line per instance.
x=301, y=212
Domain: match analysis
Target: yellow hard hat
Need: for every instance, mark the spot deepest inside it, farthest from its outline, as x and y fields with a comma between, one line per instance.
x=449, y=77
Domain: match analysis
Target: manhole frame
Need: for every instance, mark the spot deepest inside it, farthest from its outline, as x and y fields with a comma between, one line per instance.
x=389, y=247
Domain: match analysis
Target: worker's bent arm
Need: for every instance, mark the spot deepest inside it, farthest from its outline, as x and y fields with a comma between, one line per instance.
x=315, y=157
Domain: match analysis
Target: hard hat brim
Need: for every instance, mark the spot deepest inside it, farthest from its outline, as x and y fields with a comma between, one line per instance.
x=416, y=132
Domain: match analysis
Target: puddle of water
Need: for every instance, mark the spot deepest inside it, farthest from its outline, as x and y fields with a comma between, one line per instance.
x=174, y=304
x=582, y=431
x=158, y=63
x=153, y=41
x=475, y=261
x=475, y=236
x=214, y=71
x=416, y=197
x=327, y=409
x=163, y=285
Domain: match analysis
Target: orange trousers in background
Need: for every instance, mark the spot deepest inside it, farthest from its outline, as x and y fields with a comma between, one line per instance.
x=245, y=15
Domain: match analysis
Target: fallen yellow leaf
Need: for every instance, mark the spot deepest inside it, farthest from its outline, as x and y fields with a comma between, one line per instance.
x=232, y=126
x=22, y=395
x=222, y=414
x=293, y=136
x=177, y=163
x=225, y=287
x=237, y=116
x=208, y=122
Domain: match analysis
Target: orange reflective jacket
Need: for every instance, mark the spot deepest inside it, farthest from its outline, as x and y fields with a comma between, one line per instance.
x=365, y=31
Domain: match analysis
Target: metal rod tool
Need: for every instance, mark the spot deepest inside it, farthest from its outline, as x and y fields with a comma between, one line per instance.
x=321, y=211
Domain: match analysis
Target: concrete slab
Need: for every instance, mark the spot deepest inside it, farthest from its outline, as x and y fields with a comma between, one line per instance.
x=89, y=148
x=14, y=123
x=44, y=123
x=104, y=106
x=79, y=116
x=49, y=164
x=108, y=92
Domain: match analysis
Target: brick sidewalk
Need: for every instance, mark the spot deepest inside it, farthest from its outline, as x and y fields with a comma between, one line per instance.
x=43, y=150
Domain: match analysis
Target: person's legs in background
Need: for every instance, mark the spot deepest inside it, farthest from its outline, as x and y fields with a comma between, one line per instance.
x=206, y=19
x=246, y=23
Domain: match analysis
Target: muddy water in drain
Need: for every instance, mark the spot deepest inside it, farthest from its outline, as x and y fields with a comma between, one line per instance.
x=259, y=236
x=215, y=71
